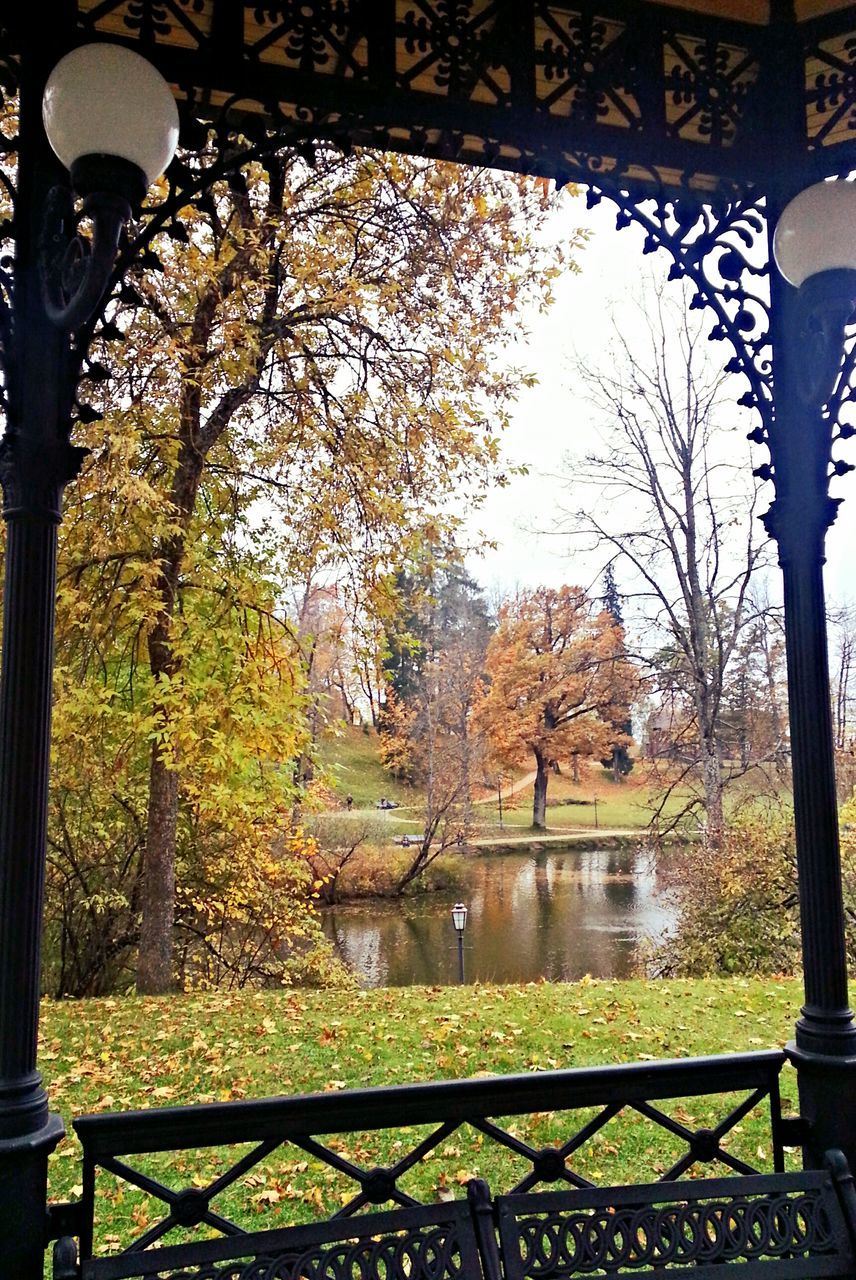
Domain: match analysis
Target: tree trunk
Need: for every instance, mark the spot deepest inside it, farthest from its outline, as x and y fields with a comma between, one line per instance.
x=154, y=964
x=157, y=899
x=712, y=779
x=539, y=807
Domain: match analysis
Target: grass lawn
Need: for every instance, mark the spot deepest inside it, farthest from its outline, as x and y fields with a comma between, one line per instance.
x=596, y=801
x=350, y=762
x=617, y=806
x=116, y=1054
x=351, y=765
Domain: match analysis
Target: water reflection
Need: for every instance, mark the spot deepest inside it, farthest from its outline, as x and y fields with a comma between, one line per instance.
x=554, y=914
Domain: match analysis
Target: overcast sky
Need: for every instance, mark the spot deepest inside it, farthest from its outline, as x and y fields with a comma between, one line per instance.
x=554, y=418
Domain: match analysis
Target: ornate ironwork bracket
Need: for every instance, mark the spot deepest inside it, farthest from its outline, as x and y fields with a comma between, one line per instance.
x=75, y=268
x=723, y=253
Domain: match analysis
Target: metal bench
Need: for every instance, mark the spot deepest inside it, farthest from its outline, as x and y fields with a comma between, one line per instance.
x=423, y=1242
x=778, y=1225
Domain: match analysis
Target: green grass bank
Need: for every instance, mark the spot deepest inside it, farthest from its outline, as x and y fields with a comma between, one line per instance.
x=349, y=763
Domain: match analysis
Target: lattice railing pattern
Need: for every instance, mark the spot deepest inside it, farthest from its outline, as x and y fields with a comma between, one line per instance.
x=178, y=1173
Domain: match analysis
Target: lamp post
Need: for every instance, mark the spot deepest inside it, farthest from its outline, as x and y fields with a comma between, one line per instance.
x=813, y=300
x=459, y=919
x=111, y=119
x=60, y=278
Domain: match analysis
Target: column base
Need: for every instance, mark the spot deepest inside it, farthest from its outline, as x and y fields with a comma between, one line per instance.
x=23, y=1199
x=23, y=1107
x=827, y=1095
x=828, y=1032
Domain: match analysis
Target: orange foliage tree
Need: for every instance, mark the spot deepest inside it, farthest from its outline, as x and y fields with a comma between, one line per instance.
x=557, y=678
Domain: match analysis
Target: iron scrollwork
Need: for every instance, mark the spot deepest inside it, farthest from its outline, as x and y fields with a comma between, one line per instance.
x=8, y=150
x=76, y=269
x=427, y=1254
x=722, y=1230
x=722, y=251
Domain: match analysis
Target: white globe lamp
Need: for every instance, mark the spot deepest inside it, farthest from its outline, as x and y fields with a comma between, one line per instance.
x=103, y=103
x=112, y=121
x=817, y=232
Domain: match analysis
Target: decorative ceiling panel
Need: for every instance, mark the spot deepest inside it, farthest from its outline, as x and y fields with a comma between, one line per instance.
x=455, y=48
x=185, y=24
x=831, y=90
x=699, y=95
x=317, y=39
x=583, y=68
x=707, y=86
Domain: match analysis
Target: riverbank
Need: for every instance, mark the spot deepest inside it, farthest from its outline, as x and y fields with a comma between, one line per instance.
x=537, y=842
x=222, y=1046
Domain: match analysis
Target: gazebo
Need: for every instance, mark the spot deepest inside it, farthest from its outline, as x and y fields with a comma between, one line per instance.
x=701, y=121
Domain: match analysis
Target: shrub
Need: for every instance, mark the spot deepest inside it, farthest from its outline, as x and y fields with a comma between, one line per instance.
x=737, y=905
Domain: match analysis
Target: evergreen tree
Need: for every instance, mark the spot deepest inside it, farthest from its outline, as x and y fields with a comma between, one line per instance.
x=618, y=762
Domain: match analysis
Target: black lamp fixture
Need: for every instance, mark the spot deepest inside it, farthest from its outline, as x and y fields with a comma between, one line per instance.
x=112, y=120
x=816, y=231
x=459, y=919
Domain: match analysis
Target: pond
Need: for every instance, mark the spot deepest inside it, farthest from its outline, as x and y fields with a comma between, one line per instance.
x=554, y=914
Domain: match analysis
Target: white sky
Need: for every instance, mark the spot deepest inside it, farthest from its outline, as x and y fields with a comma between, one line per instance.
x=553, y=418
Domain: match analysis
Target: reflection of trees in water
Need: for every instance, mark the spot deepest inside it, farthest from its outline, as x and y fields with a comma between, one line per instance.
x=361, y=945
x=554, y=915
x=422, y=956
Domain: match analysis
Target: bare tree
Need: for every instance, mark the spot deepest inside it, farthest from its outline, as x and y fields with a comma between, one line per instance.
x=665, y=496
x=842, y=645
x=842, y=665
x=338, y=838
x=447, y=749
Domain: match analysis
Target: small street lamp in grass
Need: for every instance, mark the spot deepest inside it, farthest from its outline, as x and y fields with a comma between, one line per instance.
x=459, y=919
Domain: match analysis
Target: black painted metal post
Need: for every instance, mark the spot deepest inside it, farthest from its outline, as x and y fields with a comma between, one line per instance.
x=36, y=461
x=810, y=330
x=460, y=955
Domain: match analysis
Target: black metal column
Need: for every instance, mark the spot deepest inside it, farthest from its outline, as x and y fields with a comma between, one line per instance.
x=36, y=460
x=807, y=341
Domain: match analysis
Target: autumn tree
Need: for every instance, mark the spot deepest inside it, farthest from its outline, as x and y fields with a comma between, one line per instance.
x=237, y=711
x=738, y=911
x=666, y=495
x=336, y=840
x=557, y=678
x=442, y=614
x=397, y=736
x=324, y=339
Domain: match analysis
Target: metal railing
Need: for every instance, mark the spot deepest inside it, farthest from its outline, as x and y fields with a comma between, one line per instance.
x=367, y=1139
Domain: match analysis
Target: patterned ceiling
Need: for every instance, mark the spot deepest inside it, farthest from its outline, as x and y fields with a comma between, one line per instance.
x=705, y=95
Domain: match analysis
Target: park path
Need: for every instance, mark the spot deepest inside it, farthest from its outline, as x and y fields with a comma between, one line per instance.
x=490, y=797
